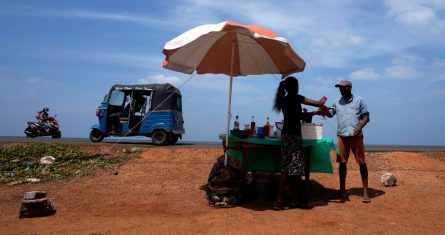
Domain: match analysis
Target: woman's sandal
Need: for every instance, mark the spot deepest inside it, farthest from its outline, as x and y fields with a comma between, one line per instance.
x=278, y=206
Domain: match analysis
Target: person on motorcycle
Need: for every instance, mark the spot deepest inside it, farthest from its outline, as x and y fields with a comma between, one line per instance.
x=42, y=117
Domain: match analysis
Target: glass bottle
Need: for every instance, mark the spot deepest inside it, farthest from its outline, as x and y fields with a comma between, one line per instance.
x=236, y=124
x=252, y=126
x=266, y=128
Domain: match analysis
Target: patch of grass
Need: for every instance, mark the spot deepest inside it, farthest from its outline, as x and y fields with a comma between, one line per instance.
x=21, y=162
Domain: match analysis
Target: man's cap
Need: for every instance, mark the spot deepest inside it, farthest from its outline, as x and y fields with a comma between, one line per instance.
x=343, y=83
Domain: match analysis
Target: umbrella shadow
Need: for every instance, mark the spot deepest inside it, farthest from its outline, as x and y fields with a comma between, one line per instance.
x=317, y=196
x=373, y=193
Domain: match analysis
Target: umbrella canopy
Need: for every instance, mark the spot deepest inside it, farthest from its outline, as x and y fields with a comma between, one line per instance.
x=232, y=49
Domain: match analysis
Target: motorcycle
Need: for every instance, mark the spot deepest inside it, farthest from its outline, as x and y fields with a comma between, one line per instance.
x=49, y=128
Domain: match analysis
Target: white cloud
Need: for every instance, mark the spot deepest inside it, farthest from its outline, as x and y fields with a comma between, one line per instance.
x=160, y=78
x=396, y=71
x=327, y=34
x=408, y=59
x=323, y=33
x=365, y=74
x=356, y=40
x=252, y=12
x=401, y=72
x=105, y=16
x=123, y=17
x=145, y=19
x=419, y=14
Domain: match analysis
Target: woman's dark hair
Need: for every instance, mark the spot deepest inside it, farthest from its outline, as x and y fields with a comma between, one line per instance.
x=285, y=85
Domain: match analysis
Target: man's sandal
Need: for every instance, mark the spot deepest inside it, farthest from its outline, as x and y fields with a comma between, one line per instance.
x=366, y=199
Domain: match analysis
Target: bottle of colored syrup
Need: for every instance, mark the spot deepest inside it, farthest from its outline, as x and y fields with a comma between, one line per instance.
x=252, y=126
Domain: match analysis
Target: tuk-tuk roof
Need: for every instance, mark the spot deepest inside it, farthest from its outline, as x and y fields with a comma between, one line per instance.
x=163, y=95
x=160, y=88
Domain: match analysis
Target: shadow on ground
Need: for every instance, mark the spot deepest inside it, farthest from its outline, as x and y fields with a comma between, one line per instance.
x=316, y=194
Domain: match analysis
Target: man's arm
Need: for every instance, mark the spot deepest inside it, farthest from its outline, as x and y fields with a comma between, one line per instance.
x=362, y=124
x=364, y=118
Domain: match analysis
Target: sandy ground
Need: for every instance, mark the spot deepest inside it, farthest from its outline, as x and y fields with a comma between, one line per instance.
x=161, y=193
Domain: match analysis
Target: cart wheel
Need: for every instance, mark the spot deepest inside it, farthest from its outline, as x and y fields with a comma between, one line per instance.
x=96, y=136
x=159, y=137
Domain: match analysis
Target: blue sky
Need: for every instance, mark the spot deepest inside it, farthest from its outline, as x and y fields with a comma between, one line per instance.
x=67, y=54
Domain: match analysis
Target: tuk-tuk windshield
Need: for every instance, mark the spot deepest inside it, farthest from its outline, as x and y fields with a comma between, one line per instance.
x=105, y=99
x=117, y=98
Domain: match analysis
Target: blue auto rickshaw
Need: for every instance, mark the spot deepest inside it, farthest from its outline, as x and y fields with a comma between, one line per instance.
x=152, y=110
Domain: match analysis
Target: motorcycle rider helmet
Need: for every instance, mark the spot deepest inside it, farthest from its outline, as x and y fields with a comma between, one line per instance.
x=46, y=109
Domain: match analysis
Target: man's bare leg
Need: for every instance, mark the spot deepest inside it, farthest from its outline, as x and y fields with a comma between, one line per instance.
x=364, y=174
x=342, y=172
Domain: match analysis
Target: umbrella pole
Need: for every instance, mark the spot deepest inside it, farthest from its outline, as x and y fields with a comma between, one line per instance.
x=230, y=97
x=228, y=119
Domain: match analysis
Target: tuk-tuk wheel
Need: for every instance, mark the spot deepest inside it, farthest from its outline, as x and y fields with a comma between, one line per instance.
x=96, y=136
x=159, y=137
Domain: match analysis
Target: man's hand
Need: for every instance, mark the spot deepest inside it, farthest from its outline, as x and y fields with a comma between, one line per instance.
x=362, y=124
x=323, y=111
x=357, y=130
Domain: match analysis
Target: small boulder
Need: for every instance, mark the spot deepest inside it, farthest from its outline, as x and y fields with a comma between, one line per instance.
x=34, y=195
x=35, y=204
x=388, y=179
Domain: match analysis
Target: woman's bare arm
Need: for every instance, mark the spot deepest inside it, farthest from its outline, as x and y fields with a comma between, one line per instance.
x=314, y=103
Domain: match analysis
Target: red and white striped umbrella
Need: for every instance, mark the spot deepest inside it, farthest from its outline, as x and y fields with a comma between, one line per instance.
x=232, y=49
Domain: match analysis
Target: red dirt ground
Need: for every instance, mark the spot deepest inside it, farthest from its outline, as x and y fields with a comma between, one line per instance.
x=160, y=193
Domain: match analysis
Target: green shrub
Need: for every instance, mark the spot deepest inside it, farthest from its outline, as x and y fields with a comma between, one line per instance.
x=21, y=162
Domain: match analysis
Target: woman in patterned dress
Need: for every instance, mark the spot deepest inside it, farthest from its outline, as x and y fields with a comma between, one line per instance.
x=288, y=101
